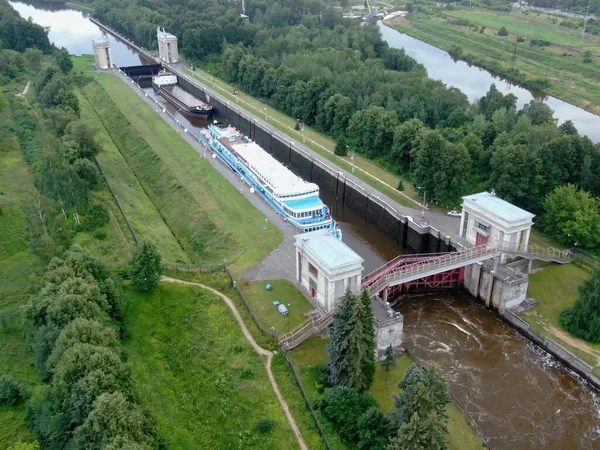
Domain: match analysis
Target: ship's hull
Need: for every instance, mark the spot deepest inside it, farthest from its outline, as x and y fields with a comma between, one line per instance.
x=200, y=113
x=238, y=167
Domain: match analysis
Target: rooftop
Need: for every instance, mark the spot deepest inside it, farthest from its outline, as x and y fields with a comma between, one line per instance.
x=100, y=40
x=310, y=204
x=282, y=180
x=329, y=251
x=498, y=207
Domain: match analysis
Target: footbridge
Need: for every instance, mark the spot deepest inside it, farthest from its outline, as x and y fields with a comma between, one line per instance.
x=408, y=268
x=429, y=269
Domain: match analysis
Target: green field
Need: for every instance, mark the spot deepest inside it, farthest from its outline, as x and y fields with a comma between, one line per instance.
x=570, y=78
x=540, y=27
x=555, y=288
x=201, y=379
x=261, y=302
x=141, y=212
x=236, y=233
x=18, y=267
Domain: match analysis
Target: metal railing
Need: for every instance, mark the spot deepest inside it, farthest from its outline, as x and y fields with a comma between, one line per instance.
x=305, y=330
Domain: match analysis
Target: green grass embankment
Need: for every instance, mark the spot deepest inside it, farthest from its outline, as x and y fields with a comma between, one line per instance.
x=209, y=217
x=202, y=380
x=18, y=267
x=570, y=78
x=141, y=212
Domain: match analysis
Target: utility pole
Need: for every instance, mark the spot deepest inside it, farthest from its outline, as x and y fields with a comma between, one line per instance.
x=514, y=55
x=585, y=21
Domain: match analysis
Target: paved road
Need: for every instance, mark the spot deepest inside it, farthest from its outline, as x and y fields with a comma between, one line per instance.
x=261, y=351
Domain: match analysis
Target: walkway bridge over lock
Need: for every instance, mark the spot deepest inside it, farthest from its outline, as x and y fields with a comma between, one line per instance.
x=433, y=270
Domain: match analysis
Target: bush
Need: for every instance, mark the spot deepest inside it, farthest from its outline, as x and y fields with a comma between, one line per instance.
x=96, y=217
x=400, y=186
x=503, y=32
x=11, y=392
x=344, y=407
x=264, y=425
x=321, y=376
x=341, y=149
x=520, y=39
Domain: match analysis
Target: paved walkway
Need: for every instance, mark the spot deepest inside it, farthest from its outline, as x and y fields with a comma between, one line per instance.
x=24, y=93
x=261, y=351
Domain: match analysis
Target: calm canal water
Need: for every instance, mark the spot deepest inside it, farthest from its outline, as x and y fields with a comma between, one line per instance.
x=519, y=396
x=475, y=82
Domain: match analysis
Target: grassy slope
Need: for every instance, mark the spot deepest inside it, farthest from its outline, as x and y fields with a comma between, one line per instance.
x=555, y=288
x=571, y=80
x=141, y=212
x=232, y=213
x=199, y=376
x=17, y=265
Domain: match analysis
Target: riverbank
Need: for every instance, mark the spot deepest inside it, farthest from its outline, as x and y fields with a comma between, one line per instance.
x=554, y=70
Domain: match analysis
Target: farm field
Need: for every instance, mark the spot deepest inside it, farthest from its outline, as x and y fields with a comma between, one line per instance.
x=564, y=71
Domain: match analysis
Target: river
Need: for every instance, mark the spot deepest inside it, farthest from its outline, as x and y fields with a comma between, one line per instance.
x=518, y=395
x=475, y=82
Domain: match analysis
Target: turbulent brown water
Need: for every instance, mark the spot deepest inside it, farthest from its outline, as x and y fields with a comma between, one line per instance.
x=519, y=396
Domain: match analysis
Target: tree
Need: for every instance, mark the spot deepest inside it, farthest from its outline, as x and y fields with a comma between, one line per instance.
x=389, y=360
x=503, y=31
x=421, y=410
x=572, y=215
x=406, y=138
x=373, y=430
x=145, y=267
x=63, y=60
x=33, y=59
x=538, y=112
x=341, y=149
x=583, y=318
x=344, y=407
x=568, y=128
x=368, y=325
x=11, y=392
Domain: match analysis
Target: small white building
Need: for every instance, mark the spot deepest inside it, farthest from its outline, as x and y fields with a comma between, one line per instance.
x=487, y=218
x=326, y=267
x=102, y=53
x=167, y=46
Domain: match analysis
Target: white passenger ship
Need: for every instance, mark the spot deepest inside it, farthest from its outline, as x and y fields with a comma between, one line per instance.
x=295, y=199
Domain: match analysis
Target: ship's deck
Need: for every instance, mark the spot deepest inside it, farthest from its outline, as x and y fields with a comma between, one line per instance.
x=185, y=97
x=305, y=204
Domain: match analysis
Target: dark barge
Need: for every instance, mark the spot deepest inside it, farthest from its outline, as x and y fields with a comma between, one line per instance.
x=165, y=84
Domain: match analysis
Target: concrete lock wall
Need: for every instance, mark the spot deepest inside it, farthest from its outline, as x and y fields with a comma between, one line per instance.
x=335, y=185
x=389, y=333
x=495, y=292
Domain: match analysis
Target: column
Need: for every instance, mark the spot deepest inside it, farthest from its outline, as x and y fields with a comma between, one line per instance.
x=464, y=216
x=298, y=267
x=385, y=295
x=526, y=240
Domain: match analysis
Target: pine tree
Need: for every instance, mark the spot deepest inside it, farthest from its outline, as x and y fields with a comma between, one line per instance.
x=337, y=350
x=583, y=318
x=389, y=360
x=421, y=410
x=341, y=149
x=145, y=267
x=368, y=325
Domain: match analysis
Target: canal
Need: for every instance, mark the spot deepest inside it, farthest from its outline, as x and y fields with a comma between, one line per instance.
x=518, y=395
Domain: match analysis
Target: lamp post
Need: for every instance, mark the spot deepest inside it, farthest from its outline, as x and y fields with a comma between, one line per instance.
x=424, y=200
x=352, y=157
x=300, y=122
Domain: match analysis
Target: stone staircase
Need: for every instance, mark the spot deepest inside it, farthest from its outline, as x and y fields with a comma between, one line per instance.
x=317, y=321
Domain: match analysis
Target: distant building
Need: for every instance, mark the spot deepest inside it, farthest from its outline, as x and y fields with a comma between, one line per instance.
x=488, y=218
x=167, y=46
x=326, y=267
x=102, y=53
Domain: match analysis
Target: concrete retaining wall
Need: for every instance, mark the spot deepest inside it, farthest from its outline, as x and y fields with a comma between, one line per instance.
x=558, y=351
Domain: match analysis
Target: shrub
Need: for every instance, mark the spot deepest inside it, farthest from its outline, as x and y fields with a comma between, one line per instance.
x=341, y=149
x=400, y=186
x=264, y=425
x=520, y=39
x=321, y=376
x=503, y=32
x=11, y=392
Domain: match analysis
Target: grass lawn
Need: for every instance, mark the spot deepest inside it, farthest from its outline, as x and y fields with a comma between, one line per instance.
x=201, y=379
x=18, y=271
x=570, y=79
x=141, y=212
x=316, y=141
x=261, y=302
x=461, y=436
x=83, y=63
x=240, y=224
